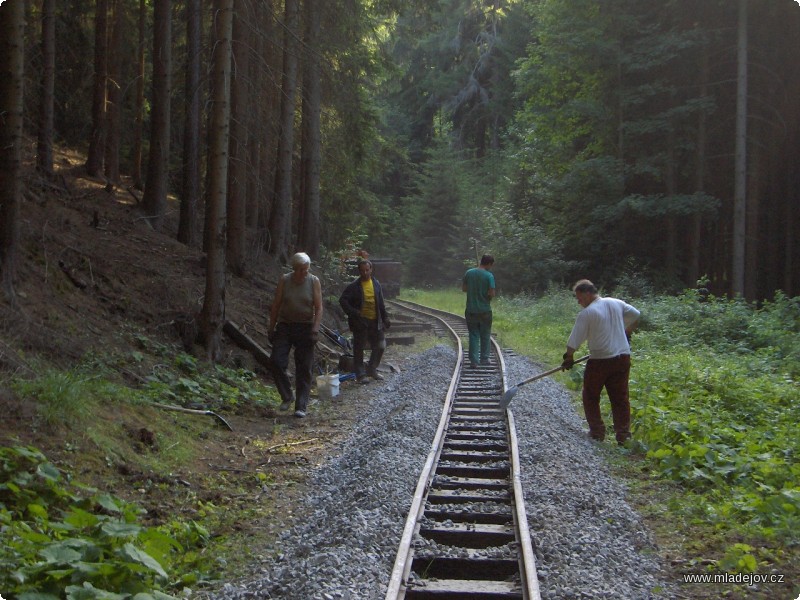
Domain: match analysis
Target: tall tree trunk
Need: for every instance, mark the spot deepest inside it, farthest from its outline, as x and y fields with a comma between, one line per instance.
x=740, y=169
x=789, y=276
x=280, y=217
x=269, y=111
x=311, y=157
x=696, y=224
x=154, y=200
x=256, y=182
x=212, y=316
x=12, y=64
x=671, y=245
x=114, y=108
x=138, y=133
x=44, y=142
x=190, y=188
x=238, y=171
x=94, y=159
x=752, y=272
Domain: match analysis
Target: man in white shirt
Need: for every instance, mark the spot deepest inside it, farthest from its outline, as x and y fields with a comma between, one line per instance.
x=606, y=325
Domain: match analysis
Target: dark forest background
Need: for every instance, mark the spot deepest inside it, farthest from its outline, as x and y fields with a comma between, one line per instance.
x=638, y=142
x=161, y=159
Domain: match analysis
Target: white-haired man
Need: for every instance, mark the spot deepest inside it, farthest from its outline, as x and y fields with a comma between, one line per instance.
x=294, y=322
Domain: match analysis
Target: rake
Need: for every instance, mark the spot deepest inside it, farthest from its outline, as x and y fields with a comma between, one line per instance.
x=512, y=391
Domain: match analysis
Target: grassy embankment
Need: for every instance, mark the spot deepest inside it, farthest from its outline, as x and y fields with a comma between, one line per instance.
x=715, y=399
x=62, y=539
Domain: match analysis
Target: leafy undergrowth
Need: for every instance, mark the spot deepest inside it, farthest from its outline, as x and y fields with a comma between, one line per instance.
x=176, y=521
x=715, y=397
x=716, y=404
x=62, y=538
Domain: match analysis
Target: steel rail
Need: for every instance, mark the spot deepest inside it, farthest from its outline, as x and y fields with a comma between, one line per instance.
x=462, y=553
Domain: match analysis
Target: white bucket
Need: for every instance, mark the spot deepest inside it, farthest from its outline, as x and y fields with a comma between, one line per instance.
x=333, y=384
x=328, y=385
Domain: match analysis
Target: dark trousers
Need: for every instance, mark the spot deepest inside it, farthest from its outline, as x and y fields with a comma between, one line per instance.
x=611, y=373
x=479, y=326
x=297, y=336
x=366, y=332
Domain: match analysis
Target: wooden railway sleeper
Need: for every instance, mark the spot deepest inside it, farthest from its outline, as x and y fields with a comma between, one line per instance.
x=464, y=538
x=468, y=535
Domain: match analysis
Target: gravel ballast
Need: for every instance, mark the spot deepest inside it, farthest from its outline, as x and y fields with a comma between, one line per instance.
x=588, y=541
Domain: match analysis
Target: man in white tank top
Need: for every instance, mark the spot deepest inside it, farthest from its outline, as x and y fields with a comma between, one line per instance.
x=606, y=325
x=294, y=322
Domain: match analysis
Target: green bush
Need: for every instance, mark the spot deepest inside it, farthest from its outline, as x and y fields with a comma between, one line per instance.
x=728, y=326
x=62, y=541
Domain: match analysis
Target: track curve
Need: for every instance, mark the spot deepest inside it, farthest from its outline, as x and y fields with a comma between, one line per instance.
x=466, y=535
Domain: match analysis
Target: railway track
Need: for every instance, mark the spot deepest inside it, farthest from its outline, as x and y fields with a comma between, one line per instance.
x=466, y=536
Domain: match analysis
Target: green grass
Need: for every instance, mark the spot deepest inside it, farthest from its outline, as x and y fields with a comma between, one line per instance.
x=88, y=398
x=535, y=327
x=715, y=405
x=68, y=397
x=449, y=300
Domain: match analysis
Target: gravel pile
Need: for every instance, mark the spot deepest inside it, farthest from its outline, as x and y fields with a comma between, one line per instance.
x=589, y=542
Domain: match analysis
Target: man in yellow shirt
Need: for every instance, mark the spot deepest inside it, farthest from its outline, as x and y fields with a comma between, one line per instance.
x=362, y=302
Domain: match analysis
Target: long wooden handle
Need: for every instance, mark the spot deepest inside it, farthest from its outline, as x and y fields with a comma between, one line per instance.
x=550, y=372
x=191, y=411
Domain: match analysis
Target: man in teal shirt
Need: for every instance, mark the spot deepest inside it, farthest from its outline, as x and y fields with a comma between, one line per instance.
x=478, y=283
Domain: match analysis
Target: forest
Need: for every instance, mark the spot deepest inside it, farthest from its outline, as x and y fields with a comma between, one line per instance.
x=626, y=140
x=648, y=145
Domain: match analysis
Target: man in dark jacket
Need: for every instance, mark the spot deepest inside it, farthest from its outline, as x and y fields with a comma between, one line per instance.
x=362, y=302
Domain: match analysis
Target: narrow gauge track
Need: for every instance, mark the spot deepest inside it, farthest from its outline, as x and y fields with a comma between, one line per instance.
x=466, y=536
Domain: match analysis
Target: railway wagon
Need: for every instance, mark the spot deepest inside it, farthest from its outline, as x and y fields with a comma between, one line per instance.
x=388, y=271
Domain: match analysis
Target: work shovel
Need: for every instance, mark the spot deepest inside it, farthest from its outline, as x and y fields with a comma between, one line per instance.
x=512, y=391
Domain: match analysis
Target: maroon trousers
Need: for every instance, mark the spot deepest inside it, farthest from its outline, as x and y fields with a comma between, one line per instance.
x=611, y=373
